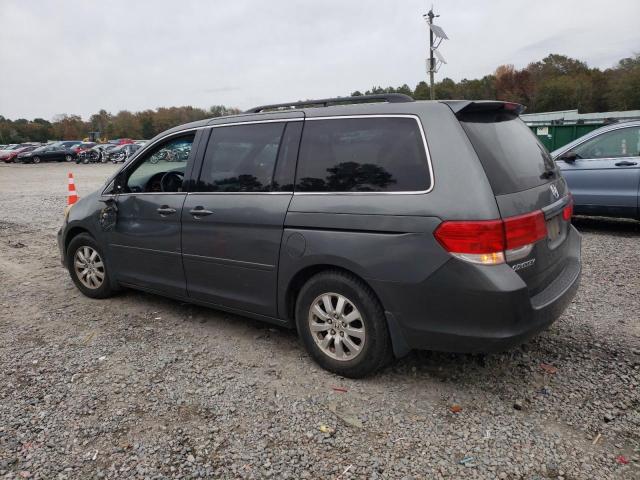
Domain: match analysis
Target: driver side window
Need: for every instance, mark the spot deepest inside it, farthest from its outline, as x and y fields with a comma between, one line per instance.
x=162, y=168
x=624, y=142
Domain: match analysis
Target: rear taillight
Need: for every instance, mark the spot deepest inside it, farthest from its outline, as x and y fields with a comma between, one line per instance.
x=567, y=211
x=524, y=229
x=491, y=242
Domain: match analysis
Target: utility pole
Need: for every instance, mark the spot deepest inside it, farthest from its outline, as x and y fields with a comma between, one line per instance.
x=432, y=61
x=435, y=60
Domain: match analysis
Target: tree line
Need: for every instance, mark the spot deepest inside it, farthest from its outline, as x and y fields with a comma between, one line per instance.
x=556, y=82
x=125, y=124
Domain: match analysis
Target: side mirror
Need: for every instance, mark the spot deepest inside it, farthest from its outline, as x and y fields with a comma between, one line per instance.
x=569, y=156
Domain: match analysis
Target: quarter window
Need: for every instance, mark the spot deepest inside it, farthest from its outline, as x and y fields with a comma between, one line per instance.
x=619, y=143
x=241, y=158
x=362, y=155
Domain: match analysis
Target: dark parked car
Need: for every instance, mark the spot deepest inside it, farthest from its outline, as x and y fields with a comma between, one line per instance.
x=602, y=169
x=123, y=151
x=46, y=153
x=378, y=228
x=58, y=151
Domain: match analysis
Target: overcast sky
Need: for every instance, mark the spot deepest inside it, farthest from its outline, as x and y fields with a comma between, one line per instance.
x=77, y=57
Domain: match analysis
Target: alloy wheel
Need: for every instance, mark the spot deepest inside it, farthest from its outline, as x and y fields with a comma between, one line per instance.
x=88, y=267
x=336, y=326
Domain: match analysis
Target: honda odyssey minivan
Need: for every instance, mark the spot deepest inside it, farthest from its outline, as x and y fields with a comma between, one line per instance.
x=374, y=225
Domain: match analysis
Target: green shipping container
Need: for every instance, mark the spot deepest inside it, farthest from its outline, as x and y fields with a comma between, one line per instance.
x=556, y=136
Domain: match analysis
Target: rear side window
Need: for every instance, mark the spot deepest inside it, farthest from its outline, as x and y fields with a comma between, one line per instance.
x=624, y=142
x=241, y=158
x=362, y=155
x=512, y=157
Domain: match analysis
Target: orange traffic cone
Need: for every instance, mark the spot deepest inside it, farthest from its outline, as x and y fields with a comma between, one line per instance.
x=73, y=196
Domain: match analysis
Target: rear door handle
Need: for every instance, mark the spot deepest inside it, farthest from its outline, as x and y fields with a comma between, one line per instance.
x=200, y=212
x=166, y=210
x=626, y=163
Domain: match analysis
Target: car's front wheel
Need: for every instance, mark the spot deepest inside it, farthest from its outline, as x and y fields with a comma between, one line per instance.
x=343, y=325
x=68, y=158
x=87, y=267
x=36, y=159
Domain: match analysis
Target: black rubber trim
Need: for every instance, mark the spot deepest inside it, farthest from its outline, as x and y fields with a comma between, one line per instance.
x=557, y=287
x=350, y=230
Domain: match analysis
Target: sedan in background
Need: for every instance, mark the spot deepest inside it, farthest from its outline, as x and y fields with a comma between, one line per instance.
x=47, y=153
x=602, y=169
x=8, y=156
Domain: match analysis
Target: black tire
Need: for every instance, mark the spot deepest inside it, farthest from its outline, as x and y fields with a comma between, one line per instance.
x=68, y=157
x=377, y=350
x=35, y=159
x=79, y=242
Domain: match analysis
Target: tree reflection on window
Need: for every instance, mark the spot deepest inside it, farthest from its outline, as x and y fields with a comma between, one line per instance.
x=241, y=183
x=350, y=177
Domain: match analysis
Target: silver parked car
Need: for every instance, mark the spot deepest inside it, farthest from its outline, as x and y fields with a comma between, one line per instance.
x=602, y=169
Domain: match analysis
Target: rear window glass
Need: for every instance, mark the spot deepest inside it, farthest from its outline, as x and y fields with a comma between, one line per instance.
x=362, y=155
x=512, y=157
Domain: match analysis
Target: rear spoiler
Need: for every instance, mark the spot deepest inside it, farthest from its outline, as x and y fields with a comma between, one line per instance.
x=466, y=106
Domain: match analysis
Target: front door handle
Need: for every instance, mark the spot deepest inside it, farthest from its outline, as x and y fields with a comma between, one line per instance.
x=626, y=163
x=200, y=212
x=166, y=210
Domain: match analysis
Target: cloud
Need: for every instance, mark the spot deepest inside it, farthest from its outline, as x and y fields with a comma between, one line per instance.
x=78, y=56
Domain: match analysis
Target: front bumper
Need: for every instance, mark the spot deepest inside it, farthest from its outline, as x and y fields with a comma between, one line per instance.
x=60, y=239
x=467, y=308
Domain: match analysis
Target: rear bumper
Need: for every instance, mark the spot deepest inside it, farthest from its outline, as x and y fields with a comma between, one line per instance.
x=472, y=309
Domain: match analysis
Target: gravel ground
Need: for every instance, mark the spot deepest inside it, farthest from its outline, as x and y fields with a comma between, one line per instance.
x=138, y=386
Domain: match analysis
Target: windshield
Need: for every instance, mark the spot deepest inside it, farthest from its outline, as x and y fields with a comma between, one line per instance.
x=512, y=157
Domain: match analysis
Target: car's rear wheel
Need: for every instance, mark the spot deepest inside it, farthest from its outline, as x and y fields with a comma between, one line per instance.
x=36, y=159
x=87, y=267
x=68, y=157
x=342, y=324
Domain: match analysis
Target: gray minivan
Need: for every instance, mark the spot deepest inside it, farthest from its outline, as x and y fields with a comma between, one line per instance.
x=374, y=225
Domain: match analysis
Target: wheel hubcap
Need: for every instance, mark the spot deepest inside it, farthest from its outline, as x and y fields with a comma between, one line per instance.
x=89, y=267
x=336, y=326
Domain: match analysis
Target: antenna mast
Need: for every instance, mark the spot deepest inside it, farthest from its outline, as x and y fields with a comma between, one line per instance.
x=435, y=60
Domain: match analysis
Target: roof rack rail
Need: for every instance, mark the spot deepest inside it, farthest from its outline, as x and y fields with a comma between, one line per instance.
x=325, y=102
